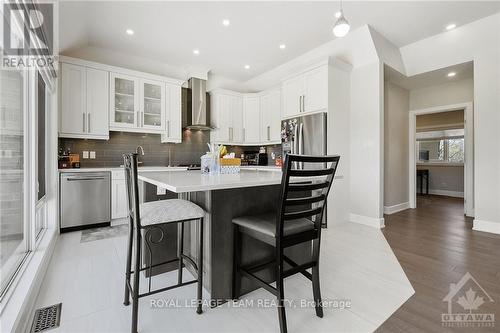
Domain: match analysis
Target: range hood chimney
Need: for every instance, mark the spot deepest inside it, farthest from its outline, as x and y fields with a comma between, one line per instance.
x=198, y=115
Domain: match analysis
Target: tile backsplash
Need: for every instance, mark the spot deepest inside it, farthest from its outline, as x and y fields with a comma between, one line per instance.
x=109, y=152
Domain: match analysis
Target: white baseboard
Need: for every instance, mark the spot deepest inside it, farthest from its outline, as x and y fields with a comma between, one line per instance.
x=486, y=226
x=367, y=220
x=447, y=193
x=396, y=208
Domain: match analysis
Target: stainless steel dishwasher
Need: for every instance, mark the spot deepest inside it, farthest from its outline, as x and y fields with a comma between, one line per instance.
x=84, y=200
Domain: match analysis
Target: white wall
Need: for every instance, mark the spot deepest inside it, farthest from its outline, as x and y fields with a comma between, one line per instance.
x=366, y=144
x=479, y=42
x=396, y=115
x=454, y=92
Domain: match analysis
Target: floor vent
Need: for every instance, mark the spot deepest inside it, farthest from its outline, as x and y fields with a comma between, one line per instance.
x=46, y=318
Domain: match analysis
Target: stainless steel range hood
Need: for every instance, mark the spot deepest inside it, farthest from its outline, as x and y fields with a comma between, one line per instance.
x=197, y=112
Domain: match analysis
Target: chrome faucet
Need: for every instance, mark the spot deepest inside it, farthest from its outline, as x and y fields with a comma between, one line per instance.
x=137, y=150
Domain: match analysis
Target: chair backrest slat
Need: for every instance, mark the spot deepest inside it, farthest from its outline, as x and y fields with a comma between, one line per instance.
x=308, y=187
x=304, y=191
x=303, y=213
x=305, y=200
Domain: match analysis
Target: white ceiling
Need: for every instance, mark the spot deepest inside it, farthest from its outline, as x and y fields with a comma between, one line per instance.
x=434, y=78
x=169, y=31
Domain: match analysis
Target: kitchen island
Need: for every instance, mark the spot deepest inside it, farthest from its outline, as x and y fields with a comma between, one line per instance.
x=224, y=197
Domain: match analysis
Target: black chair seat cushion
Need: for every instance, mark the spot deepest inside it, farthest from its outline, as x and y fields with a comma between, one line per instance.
x=263, y=227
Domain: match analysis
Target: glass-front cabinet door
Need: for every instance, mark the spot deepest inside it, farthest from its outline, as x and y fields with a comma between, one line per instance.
x=124, y=101
x=152, y=115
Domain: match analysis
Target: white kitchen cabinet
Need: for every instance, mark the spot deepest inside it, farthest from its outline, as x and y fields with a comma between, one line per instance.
x=73, y=111
x=97, y=102
x=306, y=92
x=292, y=92
x=246, y=119
x=119, y=206
x=270, y=120
x=315, y=96
x=251, y=120
x=152, y=106
x=137, y=104
x=124, y=102
x=84, y=103
x=173, y=114
x=227, y=118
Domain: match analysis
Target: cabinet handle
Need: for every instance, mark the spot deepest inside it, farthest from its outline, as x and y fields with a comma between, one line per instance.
x=83, y=123
x=268, y=133
x=88, y=123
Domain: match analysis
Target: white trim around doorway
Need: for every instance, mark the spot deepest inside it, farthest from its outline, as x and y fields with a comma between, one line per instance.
x=469, y=152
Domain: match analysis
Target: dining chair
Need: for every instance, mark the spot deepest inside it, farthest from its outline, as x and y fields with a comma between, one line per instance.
x=145, y=222
x=304, y=193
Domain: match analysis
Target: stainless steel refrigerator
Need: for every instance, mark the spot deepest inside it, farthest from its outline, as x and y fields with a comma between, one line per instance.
x=305, y=135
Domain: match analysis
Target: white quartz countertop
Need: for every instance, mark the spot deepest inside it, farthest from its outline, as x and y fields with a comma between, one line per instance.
x=193, y=181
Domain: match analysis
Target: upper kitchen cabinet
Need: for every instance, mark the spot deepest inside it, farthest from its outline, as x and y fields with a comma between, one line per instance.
x=152, y=108
x=124, y=102
x=173, y=117
x=246, y=119
x=138, y=104
x=227, y=117
x=270, y=119
x=251, y=119
x=84, y=102
x=306, y=92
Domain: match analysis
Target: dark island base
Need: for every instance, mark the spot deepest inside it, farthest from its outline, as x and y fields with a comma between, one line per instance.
x=221, y=206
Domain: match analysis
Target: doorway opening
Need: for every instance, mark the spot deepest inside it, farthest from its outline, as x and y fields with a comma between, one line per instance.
x=428, y=134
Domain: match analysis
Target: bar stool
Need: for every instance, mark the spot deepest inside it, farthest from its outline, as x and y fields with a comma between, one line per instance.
x=297, y=220
x=149, y=217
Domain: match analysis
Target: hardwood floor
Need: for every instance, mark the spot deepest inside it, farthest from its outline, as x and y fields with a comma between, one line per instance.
x=436, y=246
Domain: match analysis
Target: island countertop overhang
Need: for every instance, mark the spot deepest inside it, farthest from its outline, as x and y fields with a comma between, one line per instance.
x=194, y=181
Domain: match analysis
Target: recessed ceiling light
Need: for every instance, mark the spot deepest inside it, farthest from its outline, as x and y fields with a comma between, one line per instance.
x=129, y=32
x=338, y=14
x=451, y=26
x=226, y=22
x=451, y=74
x=282, y=46
x=196, y=51
x=247, y=66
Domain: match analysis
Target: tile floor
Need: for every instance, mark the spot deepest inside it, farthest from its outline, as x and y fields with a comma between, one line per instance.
x=357, y=265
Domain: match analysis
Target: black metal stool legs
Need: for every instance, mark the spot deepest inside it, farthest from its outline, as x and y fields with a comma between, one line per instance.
x=126, y=300
x=180, y=250
x=135, y=287
x=200, y=268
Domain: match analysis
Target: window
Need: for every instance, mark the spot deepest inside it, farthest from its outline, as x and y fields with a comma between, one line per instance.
x=13, y=175
x=446, y=150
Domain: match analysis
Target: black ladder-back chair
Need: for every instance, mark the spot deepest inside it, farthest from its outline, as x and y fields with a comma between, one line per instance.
x=184, y=211
x=292, y=224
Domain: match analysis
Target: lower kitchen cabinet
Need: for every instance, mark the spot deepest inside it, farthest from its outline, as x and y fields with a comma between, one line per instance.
x=119, y=206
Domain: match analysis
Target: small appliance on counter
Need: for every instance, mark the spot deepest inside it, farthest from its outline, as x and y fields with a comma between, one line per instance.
x=262, y=157
x=249, y=158
x=67, y=160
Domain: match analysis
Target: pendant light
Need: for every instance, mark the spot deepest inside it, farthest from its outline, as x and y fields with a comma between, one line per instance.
x=341, y=27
